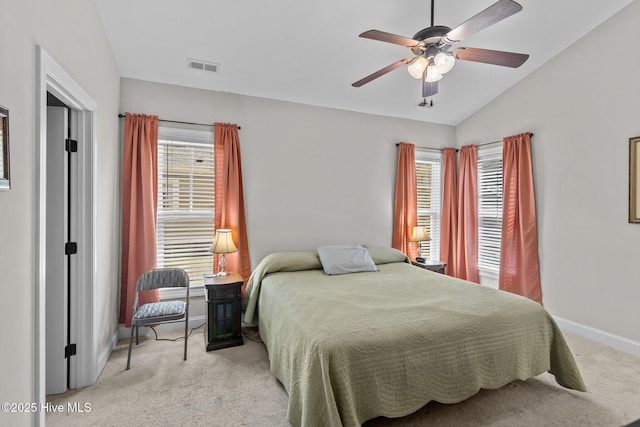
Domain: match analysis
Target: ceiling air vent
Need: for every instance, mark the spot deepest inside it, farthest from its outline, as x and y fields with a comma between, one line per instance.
x=198, y=64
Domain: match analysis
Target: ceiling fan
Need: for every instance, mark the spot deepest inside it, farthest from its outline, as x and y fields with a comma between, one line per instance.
x=434, y=52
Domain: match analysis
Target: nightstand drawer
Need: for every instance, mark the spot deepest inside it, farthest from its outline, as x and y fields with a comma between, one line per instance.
x=222, y=292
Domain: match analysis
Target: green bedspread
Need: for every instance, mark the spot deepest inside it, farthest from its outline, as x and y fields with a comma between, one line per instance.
x=353, y=347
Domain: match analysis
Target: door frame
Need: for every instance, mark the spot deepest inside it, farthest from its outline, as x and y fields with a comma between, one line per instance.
x=51, y=77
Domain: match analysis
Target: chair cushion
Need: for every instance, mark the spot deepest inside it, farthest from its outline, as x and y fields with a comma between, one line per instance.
x=160, y=311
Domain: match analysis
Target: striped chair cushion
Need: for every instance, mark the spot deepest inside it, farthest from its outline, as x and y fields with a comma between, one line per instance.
x=160, y=311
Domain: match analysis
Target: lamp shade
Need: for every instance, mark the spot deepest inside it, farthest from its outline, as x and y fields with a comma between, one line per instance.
x=416, y=68
x=444, y=62
x=223, y=242
x=433, y=75
x=419, y=234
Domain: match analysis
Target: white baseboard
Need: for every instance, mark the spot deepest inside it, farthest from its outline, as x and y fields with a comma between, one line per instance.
x=194, y=322
x=606, y=338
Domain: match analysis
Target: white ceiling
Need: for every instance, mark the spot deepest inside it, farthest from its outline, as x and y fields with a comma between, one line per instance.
x=309, y=51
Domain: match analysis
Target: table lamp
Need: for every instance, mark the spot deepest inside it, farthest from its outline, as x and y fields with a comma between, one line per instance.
x=420, y=234
x=223, y=244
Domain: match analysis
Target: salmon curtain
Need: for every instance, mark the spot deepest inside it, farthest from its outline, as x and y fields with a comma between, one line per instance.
x=519, y=268
x=466, y=259
x=449, y=215
x=139, y=204
x=405, y=208
x=229, y=197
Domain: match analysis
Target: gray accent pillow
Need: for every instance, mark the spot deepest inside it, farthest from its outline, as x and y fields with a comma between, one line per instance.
x=343, y=259
x=386, y=255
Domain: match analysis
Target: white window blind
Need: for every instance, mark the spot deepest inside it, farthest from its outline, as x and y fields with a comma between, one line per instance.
x=185, y=220
x=489, y=210
x=428, y=194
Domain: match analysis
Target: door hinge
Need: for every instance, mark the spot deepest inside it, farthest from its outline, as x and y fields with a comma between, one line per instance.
x=71, y=145
x=69, y=350
x=70, y=248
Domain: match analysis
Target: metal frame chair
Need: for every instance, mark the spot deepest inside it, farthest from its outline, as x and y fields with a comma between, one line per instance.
x=164, y=311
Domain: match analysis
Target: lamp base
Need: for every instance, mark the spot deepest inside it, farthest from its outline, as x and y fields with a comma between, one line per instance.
x=222, y=263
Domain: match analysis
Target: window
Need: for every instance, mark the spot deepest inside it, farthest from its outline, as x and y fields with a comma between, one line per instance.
x=185, y=223
x=428, y=194
x=489, y=210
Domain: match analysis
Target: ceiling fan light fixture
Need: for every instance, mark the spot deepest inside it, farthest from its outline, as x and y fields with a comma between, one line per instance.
x=416, y=68
x=432, y=74
x=444, y=62
x=433, y=47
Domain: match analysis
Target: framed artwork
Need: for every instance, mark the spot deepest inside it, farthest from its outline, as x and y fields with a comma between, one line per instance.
x=5, y=183
x=634, y=179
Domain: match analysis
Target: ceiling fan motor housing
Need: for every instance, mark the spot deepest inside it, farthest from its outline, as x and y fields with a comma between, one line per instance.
x=431, y=35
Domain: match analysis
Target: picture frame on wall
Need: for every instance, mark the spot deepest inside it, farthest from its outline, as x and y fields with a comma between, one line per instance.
x=634, y=179
x=5, y=183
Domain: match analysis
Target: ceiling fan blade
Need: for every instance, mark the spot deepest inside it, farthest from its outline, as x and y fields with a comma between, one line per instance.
x=429, y=88
x=494, y=13
x=389, y=38
x=382, y=72
x=496, y=57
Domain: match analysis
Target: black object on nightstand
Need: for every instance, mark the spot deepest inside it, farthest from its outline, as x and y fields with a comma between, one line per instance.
x=224, y=298
x=432, y=265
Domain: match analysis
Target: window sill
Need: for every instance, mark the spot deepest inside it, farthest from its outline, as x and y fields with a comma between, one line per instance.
x=196, y=290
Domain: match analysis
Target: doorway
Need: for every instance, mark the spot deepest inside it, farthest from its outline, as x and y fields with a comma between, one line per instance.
x=61, y=248
x=82, y=296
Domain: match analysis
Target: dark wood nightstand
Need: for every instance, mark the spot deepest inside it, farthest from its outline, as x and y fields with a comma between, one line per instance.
x=223, y=296
x=432, y=265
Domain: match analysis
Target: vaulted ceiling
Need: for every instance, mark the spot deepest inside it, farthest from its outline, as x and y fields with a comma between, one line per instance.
x=309, y=51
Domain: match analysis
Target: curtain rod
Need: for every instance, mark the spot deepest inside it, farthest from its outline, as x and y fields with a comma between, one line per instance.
x=176, y=121
x=423, y=148
x=493, y=142
x=457, y=149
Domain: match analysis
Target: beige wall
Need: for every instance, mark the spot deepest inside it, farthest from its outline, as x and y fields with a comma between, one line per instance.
x=582, y=109
x=71, y=31
x=312, y=175
x=316, y=175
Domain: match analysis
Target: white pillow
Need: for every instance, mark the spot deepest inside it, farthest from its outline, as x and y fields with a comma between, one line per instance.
x=343, y=259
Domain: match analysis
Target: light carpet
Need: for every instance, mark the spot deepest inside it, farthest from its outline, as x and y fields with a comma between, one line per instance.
x=234, y=387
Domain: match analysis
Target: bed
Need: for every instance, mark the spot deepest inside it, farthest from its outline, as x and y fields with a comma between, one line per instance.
x=351, y=347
